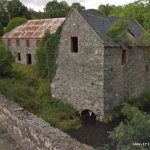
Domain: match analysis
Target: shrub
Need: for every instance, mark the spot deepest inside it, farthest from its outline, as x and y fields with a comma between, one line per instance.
x=6, y=60
x=135, y=129
x=14, y=23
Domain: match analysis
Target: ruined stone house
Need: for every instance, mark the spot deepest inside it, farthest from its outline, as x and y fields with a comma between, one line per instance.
x=95, y=73
x=26, y=38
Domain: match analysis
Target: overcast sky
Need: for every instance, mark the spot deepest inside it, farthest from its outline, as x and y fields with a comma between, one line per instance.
x=39, y=4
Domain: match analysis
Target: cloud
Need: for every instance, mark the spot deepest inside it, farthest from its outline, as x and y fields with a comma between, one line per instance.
x=40, y=4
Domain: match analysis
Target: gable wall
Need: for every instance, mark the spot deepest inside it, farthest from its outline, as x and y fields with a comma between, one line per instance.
x=79, y=77
x=125, y=81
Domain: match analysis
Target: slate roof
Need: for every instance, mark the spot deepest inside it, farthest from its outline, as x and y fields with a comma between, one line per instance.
x=102, y=24
x=35, y=28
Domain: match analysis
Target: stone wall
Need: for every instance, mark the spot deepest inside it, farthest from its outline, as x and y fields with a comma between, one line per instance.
x=125, y=81
x=33, y=133
x=79, y=77
x=22, y=49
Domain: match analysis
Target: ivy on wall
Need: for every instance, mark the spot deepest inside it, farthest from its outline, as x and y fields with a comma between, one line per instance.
x=46, y=54
x=52, y=47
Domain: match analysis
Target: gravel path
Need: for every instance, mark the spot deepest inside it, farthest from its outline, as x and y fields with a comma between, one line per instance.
x=6, y=142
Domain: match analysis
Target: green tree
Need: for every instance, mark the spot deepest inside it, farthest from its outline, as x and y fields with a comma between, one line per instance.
x=4, y=19
x=77, y=6
x=56, y=9
x=135, y=129
x=14, y=23
x=17, y=9
x=6, y=60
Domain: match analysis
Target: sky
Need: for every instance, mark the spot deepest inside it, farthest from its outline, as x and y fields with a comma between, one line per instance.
x=38, y=5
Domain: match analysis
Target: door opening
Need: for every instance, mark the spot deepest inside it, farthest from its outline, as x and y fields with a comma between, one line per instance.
x=29, y=59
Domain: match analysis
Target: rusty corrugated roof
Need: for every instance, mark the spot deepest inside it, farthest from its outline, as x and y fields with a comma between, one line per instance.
x=35, y=28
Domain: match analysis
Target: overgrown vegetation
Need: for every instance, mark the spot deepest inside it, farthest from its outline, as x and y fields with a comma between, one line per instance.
x=145, y=39
x=32, y=93
x=6, y=60
x=118, y=33
x=47, y=54
x=135, y=129
x=14, y=23
x=142, y=103
x=53, y=45
x=42, y=56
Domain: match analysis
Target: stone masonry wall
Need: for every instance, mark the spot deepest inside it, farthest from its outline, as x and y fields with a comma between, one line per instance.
x=33, y=133
x=79, y=77
x=22, y=49
x=126, y=81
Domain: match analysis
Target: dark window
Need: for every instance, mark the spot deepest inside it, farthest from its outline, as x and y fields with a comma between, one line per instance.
x=29, y=59
x=17, y=42
x=27, y=43
x=37, y=43
x=74, y=44
x=9, y=43
x=123, y=57
x=18, y=56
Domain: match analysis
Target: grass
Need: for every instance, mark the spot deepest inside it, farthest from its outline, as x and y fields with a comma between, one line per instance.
x=32, y=93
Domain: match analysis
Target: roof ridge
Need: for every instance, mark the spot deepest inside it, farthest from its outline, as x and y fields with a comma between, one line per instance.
x=99, y=15
x=45, y=19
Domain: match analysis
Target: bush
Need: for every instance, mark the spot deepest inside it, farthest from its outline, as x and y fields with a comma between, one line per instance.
x=6, y=60
x=14, y=23
x=135, y=129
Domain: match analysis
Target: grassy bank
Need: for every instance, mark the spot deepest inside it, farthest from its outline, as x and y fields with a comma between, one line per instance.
x=32, y=93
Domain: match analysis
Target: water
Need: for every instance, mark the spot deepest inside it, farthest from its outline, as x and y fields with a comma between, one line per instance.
x=95, y=135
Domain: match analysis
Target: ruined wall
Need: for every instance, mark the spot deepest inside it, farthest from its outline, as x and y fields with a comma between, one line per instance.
x=126, y=81
x=79, y=77
x=22, y=49
x=33, y=133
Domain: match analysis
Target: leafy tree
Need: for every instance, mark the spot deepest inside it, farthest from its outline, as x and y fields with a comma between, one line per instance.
x=14, y=23
x=36, y=15
x=6, y=60
x=4, y=18
x=17, y=9
x=135, y=129
x=56, y=9
x=93, y=11
x=77, y=6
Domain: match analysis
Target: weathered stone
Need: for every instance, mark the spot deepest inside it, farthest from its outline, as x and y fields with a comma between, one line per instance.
x=94, y=78
x=33, y=133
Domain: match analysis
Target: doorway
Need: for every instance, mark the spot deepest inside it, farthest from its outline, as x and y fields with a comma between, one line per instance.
x=29, y=59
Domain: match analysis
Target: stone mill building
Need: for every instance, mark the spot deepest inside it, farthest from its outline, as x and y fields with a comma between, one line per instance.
x=26, y=38
x=95, y=73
